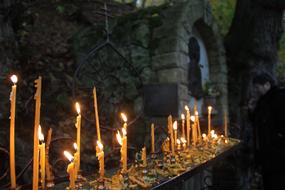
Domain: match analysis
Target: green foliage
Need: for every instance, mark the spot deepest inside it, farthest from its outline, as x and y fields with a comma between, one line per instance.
x=281, y=53
x=223, y=12
x=60, y=8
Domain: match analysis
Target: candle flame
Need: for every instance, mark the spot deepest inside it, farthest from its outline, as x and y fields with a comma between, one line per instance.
x=192, y=118
x=68, y=155
x=124, y=131
x=215, y=136
x=77, y=106
x=226, y=141
x=210, y=108
x=182, y=116
x=40, y=134
x=100, y=145
x=124, y=117
x=196, y=113
x=178, y=141
x=186, y=108
x=204, y=135
x=119, y=138
x=183, y=140
x=14, y=79
x=75, y=146
x=175, y=125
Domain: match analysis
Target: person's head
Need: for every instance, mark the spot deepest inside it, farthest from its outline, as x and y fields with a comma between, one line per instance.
x=262, y=83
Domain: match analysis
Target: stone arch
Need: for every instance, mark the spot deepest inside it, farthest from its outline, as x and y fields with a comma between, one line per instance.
x=170, y=59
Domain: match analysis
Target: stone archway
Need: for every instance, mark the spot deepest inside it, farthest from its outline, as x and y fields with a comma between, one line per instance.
x=170, y=60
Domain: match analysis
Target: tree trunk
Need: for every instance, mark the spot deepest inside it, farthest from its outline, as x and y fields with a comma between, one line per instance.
x=251, y=46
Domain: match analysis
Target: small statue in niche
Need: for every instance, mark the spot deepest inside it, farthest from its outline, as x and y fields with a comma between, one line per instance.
x=194, y=72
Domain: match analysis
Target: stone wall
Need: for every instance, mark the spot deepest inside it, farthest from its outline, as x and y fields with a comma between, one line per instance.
x=170, y=60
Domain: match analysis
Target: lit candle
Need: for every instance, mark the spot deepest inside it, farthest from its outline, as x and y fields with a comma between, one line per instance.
x=178, y=144
x=125, y=150
x=70, y=170
x=194, y=130
x=14, y=79
x=100, y=155
x=166, y=145
x=170, y=131
x=76, y=160
x=123, y=142
x=198, y=125
x=144, y=157
x=205, y=139
x=212, y=134
x=226, y=124
x=78, y=127
x=204, y=136
x=188, y=124
x=38, y=85
x=42, y=157
x=183, y=125
x=96, y=114
x=209, y=119
x=183, y=142
x=152, y=139
x=175, y=131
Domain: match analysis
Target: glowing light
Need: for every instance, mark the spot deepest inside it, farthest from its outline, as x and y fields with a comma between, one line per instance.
x=186, y=108
x=210, y=108
x=182, y=116
x=77, y=106
x=192, y=118
x=68, y=155
x=75, y=146
x=183, y=140
x=178, y=141
x=41, y=136
x=14, y=79
x=175, y=125
x=119, y=138
x=124, y=117
x=100, y=145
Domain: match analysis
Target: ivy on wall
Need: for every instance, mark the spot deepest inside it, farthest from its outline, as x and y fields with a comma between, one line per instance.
x=281, y=53
x=223, y=12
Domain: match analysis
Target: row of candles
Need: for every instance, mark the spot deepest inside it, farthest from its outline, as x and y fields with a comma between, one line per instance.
x=173, y=143
x=74, y=166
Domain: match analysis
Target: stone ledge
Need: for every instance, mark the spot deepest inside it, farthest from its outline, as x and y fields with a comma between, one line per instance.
x=175, y=75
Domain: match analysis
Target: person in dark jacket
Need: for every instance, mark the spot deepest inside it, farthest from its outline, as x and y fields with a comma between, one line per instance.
x=268, y=119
